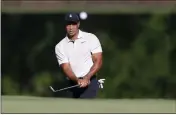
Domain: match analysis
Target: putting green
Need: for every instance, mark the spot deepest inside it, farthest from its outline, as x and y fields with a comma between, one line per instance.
x=26, y=104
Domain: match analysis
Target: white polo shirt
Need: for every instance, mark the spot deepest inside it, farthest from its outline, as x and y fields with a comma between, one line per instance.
x=78, y=53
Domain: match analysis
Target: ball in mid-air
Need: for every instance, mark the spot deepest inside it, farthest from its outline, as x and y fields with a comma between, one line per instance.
x=83, y=15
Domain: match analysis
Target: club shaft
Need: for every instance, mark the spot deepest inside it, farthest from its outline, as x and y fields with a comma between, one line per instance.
x=63, y=88
x=67, y=88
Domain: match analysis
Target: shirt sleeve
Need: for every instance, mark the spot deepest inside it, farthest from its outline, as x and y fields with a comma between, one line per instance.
x=60, y=55
x=95, y=44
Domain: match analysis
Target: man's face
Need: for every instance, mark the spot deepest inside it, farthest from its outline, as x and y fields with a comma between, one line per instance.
x=72, y=28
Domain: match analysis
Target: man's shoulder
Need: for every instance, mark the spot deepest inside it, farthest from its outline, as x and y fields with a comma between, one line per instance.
x=60, y=43
x=89, y=35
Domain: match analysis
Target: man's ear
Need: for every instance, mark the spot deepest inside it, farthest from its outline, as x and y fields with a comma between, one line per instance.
x=78, y=24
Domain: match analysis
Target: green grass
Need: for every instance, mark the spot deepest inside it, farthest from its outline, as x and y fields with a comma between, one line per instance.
x=26, y=104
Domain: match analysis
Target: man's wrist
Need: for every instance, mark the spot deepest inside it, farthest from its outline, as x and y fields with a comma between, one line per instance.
x=87, y=77
x=74, y=79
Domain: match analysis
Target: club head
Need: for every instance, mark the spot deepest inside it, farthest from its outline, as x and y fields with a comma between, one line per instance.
x=52, y=89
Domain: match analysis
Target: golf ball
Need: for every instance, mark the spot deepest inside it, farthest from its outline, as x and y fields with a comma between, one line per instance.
x=83, y=15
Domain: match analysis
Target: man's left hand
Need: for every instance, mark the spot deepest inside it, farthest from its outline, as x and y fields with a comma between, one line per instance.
x=85, y=82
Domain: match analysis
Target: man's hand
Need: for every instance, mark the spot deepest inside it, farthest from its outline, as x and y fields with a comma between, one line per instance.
x=83, y=82
x=79, y=81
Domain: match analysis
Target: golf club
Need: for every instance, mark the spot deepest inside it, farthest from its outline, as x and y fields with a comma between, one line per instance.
x=62, y=88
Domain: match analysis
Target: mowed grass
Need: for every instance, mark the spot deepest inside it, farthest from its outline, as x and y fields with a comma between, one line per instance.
x=26, y=104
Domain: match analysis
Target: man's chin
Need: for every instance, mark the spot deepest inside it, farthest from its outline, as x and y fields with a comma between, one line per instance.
x=71, y=34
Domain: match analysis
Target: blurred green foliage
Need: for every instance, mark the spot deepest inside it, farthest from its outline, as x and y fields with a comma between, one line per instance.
x=139, y=54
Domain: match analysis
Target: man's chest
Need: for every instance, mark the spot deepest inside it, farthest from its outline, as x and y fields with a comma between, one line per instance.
x=77, y=49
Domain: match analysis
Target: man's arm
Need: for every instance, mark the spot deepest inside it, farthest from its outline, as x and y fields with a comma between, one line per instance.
x=97, y=60
x=96, y=50
x=64, y=63
x=68, y=71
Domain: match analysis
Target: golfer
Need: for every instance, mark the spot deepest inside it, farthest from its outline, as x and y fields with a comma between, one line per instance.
x=79, y=55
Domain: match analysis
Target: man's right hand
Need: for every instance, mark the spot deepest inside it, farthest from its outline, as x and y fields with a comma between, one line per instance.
x=83, y=83
x=79, y=81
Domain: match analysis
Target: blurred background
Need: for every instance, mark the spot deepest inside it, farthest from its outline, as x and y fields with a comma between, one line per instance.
x=138, y=39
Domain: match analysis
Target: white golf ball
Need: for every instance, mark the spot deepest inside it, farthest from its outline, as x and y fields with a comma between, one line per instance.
x=83, y=15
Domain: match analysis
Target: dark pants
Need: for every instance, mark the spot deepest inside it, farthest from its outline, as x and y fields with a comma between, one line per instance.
x=88, y=92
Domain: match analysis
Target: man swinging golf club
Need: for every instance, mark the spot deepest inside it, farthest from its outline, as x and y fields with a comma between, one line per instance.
x=79, y=55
